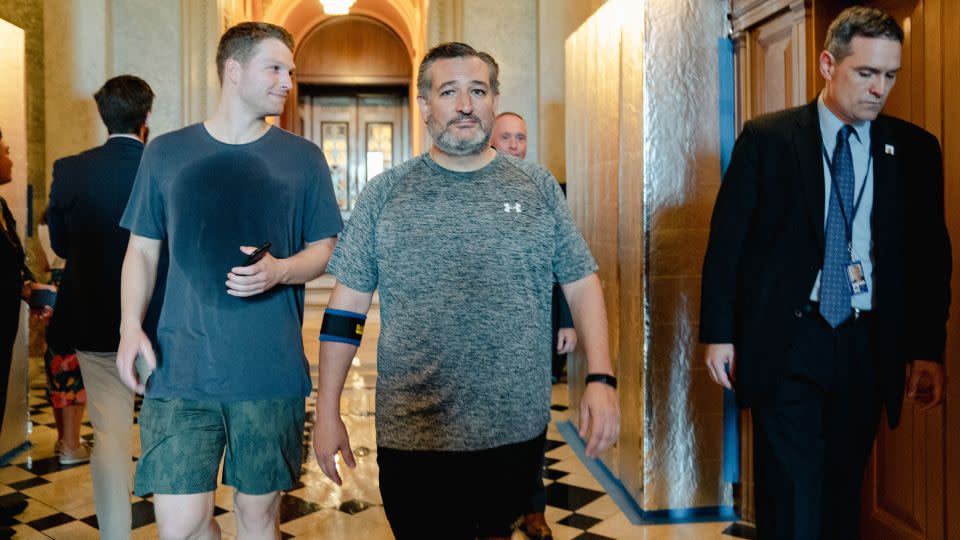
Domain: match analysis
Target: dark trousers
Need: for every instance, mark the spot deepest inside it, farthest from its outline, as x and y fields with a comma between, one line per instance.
x=457, y=495
x=813, y=440
x=9, y=324
x=538, y=498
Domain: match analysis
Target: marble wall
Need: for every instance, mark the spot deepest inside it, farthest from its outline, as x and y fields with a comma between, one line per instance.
x=89, y=41
x=75, y=66
x=507, y=29
x=146, y=42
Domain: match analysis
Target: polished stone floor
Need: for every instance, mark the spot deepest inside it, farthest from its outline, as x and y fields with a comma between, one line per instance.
x=61, y=501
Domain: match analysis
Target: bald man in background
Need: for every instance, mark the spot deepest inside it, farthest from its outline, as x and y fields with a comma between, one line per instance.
x=510, y=137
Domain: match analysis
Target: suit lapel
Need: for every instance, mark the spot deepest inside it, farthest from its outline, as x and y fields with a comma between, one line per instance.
x=807, y=142
x=886, y=189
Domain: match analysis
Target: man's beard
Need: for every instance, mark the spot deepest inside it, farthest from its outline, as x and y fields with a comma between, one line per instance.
x=450, y=144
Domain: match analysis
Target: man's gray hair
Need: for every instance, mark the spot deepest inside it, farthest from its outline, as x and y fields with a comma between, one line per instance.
x=859, y=21
x=454, y=49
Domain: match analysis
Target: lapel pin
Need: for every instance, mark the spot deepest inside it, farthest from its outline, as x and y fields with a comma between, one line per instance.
x=888, y=149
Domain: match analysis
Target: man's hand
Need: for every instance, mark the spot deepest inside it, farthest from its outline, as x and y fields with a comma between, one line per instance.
x=600, y=415
x=134, y=342
x=257, y=278
x=721, y=363
x=329, y=437
x=566, y=340
x=42, y=313
x=927, y=384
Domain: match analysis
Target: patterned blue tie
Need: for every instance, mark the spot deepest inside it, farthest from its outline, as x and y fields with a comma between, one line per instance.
x=834, y=284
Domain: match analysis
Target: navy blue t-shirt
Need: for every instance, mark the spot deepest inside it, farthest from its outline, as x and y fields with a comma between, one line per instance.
x=206, y=199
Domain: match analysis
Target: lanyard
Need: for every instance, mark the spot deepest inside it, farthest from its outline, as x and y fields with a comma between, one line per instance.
x=847, y=223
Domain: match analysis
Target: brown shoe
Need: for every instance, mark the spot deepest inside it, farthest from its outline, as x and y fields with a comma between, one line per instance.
x=535, y=526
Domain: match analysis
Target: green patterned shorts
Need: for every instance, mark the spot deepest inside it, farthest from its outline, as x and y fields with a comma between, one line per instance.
x=182, y=441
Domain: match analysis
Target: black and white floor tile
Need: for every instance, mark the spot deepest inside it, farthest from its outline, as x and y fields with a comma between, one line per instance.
x=60, y=499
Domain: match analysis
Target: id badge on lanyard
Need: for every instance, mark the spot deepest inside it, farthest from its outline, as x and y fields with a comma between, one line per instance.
x=856, y=277
x=855, y=274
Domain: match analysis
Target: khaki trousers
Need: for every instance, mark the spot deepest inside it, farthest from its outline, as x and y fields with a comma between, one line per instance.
x=110, y=407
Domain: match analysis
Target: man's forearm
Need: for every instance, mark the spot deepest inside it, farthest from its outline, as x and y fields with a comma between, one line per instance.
x=137, y=280
x=336, y=357
x=309, y=264
x=335, y=360
x=585, y=297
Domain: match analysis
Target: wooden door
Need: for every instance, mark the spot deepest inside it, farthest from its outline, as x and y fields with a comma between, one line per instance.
x=904, y=487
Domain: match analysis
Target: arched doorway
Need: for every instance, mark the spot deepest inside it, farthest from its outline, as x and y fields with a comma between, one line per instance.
x=353, y=78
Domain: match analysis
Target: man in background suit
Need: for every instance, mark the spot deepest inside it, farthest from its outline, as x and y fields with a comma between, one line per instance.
x=88, y=195
x=510, y=137
x=826, y=280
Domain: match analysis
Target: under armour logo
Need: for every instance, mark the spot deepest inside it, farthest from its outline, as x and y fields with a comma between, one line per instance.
x=515, y=207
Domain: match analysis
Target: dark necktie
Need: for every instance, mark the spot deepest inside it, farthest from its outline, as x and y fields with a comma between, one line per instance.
x=834, y=284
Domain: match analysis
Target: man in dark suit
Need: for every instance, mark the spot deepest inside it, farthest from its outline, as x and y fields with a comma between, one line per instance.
x=88, y=195
x=826, y=281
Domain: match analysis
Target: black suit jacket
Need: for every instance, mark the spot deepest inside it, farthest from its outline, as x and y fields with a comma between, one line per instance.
x=87, y=198
x=767, y=241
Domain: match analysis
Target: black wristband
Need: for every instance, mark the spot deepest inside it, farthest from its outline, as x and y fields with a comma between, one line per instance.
x=603, y=378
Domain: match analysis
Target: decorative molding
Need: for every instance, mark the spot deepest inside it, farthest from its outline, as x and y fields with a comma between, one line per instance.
x=748, y=13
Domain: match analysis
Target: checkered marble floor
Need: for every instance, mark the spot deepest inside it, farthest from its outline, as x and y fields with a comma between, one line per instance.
x=60, y=498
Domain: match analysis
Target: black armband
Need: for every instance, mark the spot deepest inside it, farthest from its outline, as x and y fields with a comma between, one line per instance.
x=342, y=326
x=609, y=380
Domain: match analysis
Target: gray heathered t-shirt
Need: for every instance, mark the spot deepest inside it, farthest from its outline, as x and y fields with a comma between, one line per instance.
x=206, y=199
x=465, y=266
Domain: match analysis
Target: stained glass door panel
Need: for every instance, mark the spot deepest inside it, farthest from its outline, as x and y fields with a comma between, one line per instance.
x=336, y=148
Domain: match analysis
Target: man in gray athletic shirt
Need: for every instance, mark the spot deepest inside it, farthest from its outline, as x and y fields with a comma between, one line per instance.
x=463, y=244
x=231, y=375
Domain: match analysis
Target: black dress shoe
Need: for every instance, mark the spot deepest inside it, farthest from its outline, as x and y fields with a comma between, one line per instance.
x=535, y=526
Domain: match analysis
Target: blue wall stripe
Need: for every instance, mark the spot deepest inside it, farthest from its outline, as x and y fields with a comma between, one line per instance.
x=627, y=504
x=728, y=129
x=14, y=452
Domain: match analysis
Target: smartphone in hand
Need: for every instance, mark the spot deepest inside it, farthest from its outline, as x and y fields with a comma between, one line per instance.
x=255, y=257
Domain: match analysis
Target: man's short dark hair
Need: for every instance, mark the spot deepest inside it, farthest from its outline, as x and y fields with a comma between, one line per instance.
x=124, y=102
x=455, y=49
x=240, y=41
x=859, y=21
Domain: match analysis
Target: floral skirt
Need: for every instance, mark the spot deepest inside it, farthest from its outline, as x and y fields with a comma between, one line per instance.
x=64, y=381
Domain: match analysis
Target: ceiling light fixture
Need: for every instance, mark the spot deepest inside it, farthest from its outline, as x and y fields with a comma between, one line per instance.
x=337, y=7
